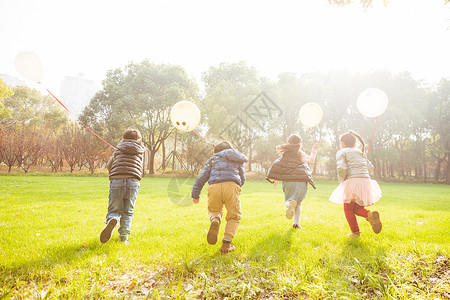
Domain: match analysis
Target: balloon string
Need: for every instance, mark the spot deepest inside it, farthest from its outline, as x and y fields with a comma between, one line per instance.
x=310, y=132
x=78, y=120
x=203, y=138
x=373, y=134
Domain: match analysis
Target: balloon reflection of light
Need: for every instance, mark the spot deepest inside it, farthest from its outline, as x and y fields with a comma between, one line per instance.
x=372, y=102
x=310, y=114
x=29, y=65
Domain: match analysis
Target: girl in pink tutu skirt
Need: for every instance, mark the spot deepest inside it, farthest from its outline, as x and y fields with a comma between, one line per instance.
x=356, y=190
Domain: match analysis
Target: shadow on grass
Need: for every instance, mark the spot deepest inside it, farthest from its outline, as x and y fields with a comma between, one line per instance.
x=276, y=246
x=63, y=255
x=362, y=267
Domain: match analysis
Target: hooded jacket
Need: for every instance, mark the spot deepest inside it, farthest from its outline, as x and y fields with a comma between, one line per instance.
x=227, y=165
x=127, y=160
x=290, y=167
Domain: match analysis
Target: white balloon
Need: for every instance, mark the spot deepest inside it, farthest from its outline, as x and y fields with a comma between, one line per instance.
x=310, y=114
x=372, y=102
x=29, y=65
x=185, y=116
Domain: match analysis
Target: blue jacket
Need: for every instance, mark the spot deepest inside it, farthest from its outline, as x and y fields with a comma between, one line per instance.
x=227, y=165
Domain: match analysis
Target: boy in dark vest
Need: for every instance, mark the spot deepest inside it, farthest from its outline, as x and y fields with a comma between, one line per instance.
x=125, y=172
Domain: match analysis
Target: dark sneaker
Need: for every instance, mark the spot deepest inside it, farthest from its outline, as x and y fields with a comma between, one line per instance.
x=108, y=230
x=374, y=219
x=123, y=238
x=227, y=246
x=290, y=209
x=213, y=231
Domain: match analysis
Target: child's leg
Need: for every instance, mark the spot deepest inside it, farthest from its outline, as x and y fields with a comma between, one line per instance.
x=297, y=213
x=302, y=189
x=349, y=210
x=129, y=200
x=360, y=210
x=290, y=191
x=117, y=190
x=215, y=205
x=231, y=193
x=215, y=211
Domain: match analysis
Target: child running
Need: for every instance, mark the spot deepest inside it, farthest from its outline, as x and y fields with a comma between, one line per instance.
x=293, y=170
x=125, y=172
x=225, y=174
x=356, y=190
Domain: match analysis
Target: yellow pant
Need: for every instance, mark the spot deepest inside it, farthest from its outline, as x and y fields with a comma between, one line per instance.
x=225, y=193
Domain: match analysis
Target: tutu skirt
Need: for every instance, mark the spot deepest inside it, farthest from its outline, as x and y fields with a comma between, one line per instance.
x=363, y=191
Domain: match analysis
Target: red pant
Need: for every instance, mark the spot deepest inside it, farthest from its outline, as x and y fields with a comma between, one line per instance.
x=351, y=211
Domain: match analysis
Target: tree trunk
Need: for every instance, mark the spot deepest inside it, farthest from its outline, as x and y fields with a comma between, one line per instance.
x=174, y=150
x=250, y=159
x=151, y=161
x=163, y=164
x=437, y=173
x=424, y=170
x=447, y=177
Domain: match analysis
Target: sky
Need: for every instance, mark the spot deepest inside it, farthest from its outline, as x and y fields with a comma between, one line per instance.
x=300, y=36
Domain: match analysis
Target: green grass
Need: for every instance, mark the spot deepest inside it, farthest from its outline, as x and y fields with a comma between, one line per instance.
x=49, y=245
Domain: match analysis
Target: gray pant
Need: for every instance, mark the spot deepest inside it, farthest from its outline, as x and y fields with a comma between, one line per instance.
x=122, y=197
x=295, y=191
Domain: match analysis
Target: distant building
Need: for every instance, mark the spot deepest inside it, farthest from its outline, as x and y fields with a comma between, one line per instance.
x=76, y=92
x=11, y=80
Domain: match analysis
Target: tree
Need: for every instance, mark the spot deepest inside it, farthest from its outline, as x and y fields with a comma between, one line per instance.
x=5, y=92
x=71, y=141
x=29, y=106
x=28, y=146
x=231, y=90
x=439, y=118
x=140, y=96
x=364, y=3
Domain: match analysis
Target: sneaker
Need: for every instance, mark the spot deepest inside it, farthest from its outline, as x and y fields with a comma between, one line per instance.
x=297, y=226
x=213, y=231
x=106, y=233
x=290, y=209
x=355, y=234
x=374, y=219
x=227, y=246
x=123, y=238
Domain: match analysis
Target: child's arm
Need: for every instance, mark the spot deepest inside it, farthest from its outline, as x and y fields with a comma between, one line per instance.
x=109, y=164
x=312, y=157
x=202, y=178
x=341, y=166
x=370, y=165
x=242, y=174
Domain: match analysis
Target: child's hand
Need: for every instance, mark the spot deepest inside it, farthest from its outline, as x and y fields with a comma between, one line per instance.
x=275, y=182
x=195, y=200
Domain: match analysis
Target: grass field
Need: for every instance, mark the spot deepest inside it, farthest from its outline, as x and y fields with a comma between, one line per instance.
x=49, y=245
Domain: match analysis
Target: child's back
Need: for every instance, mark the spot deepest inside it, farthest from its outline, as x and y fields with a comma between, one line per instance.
x=351, y=163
